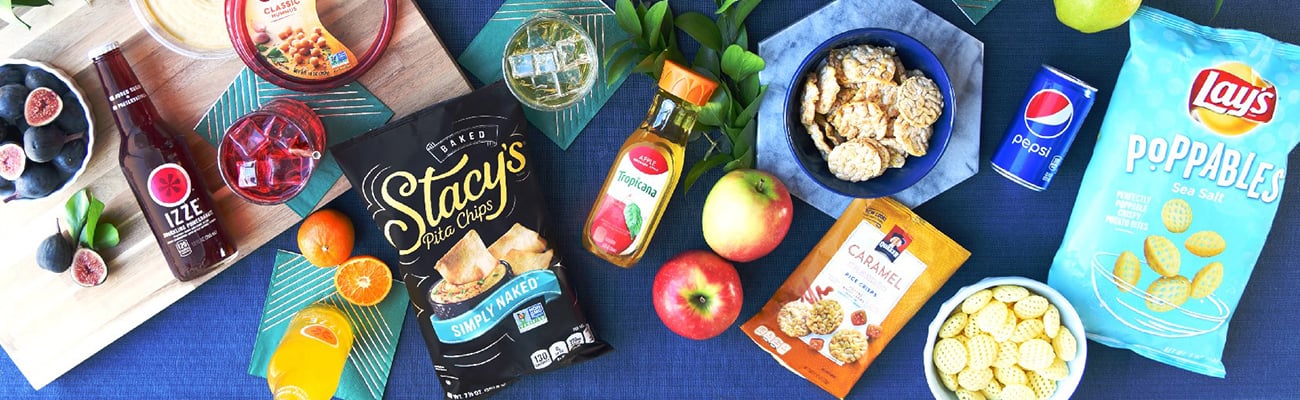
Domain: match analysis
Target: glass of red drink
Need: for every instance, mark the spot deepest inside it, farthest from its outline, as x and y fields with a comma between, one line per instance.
x=267, y=156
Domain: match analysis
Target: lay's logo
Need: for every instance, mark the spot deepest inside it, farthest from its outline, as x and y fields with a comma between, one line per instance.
x=1231, y=99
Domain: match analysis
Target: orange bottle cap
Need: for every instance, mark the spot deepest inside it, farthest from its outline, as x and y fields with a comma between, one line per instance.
x=685, y=83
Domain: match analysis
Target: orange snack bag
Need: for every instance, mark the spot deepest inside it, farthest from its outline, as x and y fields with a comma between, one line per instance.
x=880, y=259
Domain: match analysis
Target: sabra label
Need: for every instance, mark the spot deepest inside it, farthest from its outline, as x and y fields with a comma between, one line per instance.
x=869, y=272
x=288, y=35
x=634, y=192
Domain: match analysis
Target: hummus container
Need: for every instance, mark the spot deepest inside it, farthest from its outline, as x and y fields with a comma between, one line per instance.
x=450, y=302
x=1069, y=319
x=286, y=43
x=192, y=28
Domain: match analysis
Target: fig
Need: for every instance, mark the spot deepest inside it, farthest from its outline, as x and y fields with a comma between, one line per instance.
x=88, y=268
x=38, y=78
x=6, y=188
x=71, y=157
x=13, y=160
x=43, y=143
x=9, y=133
x=55, y=252
x=38, y=180
x=42, y=106
x=11, y=74
x=12, y=99
x=73, y=117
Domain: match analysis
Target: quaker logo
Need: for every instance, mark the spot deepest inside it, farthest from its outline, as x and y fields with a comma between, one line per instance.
x=894, y=243
x=1049, y=113
x=441, y=150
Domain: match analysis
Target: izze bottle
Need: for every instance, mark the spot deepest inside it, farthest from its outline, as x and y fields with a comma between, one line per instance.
x=162, y=175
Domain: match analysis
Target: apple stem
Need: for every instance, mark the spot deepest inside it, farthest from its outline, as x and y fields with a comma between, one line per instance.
x=700, y=301
x=761, y=185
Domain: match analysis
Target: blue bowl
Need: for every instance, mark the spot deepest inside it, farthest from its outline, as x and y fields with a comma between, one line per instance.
x=915, y=56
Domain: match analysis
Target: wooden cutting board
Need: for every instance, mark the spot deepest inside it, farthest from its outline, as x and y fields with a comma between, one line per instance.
x=48, y=324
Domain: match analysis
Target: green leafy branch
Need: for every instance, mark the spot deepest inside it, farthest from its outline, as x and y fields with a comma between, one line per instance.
x=653, y=39
x=83, y=212
x=724, y=56
x=7, y=9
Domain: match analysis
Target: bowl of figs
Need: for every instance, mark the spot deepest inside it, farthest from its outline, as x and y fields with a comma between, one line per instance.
x=45, y=132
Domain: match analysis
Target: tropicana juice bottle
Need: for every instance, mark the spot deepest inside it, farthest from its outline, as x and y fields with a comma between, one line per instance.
x=162, y=175
x=309, y=360
x=642, y=178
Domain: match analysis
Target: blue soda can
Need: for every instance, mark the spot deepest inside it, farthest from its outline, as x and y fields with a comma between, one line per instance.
x=1052, y=111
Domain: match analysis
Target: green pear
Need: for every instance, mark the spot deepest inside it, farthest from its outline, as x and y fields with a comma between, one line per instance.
x=1091, y=16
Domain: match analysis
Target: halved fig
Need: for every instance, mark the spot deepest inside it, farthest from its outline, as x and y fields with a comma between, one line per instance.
x=13, y=160
x=42, y=107
x=88, y=268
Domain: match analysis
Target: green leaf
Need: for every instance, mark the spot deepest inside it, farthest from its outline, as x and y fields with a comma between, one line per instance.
x=723, y=5
x=32, y=3
x=707, y=59
x=751, y=110
x=654, y=23
x=107, y=236
x=741, y=12
x=651, y=63
x=618, y=68
x=739, y=63
x=92, y=222
x=76, y=212
x=632, y=215
x=626, y=16
x=703, y=166
x=716, y=110
x=675, y=53
x=701, y=28
x=749, y=88
x=1218, y=4
x=742, y=38
x=7, y=14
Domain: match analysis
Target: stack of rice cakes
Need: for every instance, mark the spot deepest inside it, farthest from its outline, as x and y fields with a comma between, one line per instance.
x=866, y=112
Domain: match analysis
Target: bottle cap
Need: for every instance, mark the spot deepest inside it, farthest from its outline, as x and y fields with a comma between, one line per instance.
x=685, y=83
x=102, y=50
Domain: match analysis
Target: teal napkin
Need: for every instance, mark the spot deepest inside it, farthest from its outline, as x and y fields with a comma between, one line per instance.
x=295, y=284
x=483, y=59
x=346, y=112
x=975, y=10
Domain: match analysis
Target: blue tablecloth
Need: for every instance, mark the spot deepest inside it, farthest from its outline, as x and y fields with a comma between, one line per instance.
x=199, y=347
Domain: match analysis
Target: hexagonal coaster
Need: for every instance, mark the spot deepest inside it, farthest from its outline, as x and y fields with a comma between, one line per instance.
x=962, y=56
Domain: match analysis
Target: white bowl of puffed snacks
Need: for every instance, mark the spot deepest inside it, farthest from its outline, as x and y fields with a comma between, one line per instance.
x=1009, y=338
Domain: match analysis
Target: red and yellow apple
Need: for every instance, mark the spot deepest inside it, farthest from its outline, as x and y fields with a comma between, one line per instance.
x=746, y=215
x=697, y=294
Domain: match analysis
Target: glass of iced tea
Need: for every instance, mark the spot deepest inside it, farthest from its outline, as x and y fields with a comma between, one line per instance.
x=267, y=156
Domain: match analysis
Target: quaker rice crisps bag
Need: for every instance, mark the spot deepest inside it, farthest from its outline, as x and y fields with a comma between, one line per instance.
x=1182, y=188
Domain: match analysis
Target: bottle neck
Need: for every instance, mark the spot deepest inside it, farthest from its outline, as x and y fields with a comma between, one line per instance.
x=131, y=106
x=671, y=117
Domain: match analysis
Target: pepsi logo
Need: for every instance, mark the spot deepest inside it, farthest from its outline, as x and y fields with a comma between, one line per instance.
x=1049, y=113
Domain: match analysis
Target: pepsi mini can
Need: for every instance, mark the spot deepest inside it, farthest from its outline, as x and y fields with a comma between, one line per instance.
x=1052, y=111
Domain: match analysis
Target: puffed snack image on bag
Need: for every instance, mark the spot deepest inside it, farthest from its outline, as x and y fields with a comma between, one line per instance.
x=854, y=291
x=450, y=187
x=1180, y=194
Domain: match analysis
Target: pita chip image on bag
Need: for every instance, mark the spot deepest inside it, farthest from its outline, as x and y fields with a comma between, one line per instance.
x=450, y=187
x=1182, y=188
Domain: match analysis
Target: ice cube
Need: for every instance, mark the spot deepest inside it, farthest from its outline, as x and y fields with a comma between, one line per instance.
x=286, y=171
x=546, y=61
x=521, y=66
x=249, y=138
x=571, y=79
x=567, y=52
x=546, y=85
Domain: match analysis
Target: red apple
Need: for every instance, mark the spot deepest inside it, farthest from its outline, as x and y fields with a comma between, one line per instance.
x=746, y=215
x=697, y=294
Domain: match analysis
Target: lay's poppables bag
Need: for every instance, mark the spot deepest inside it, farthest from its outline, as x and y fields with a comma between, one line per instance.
x=1181, y=190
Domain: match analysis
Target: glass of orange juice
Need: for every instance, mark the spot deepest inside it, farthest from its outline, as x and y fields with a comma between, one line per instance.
x=310, y=358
